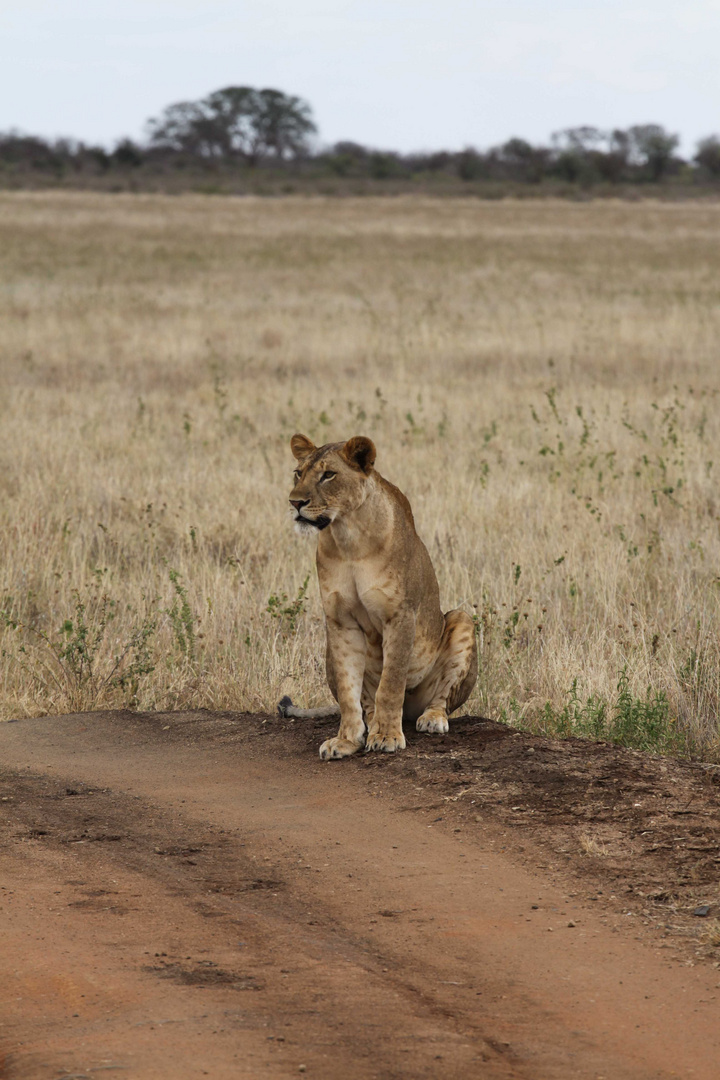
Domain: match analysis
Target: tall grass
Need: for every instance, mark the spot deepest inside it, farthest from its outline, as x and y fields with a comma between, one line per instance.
x=541, y=380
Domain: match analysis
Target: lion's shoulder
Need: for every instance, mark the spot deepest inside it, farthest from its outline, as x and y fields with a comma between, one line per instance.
x=395, y=494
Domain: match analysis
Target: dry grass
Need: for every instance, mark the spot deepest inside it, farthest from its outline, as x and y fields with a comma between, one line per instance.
x=712, y=934
x=590, y=846
x=541, y=379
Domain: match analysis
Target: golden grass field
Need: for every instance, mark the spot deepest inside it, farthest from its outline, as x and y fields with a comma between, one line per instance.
x=540, y=378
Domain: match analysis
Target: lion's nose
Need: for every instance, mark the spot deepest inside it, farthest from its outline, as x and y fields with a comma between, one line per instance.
x=299, y=503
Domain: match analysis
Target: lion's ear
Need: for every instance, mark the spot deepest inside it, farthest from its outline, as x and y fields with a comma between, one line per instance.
x=359, y=452
x=301, y=447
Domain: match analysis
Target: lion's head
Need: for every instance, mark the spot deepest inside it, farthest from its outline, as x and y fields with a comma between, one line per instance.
x=330, y=480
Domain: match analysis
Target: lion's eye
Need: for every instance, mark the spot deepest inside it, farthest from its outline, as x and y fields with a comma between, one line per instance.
x=297, y=474
x=327, y=476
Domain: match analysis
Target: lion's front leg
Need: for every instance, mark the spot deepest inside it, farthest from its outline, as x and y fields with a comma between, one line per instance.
x=385, y=729
x=346, y=658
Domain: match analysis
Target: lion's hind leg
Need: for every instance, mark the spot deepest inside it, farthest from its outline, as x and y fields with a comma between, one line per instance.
x=449, y=682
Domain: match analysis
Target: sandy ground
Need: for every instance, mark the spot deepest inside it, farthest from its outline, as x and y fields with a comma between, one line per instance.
x=196, y=894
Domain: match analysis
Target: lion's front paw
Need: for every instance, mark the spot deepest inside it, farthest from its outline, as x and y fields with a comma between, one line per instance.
x=338, y=748
x=434, y=721
x=388, y=744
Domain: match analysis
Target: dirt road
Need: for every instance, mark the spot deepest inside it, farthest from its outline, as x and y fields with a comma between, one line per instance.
x=188, y=895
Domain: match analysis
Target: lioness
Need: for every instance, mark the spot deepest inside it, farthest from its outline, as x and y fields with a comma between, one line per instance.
x=391, y=653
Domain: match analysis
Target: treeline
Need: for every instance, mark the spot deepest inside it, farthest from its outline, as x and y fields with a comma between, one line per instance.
x=242, y=132
x=645, y=153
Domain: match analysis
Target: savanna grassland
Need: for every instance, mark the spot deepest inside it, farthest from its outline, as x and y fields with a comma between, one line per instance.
x=540, y=378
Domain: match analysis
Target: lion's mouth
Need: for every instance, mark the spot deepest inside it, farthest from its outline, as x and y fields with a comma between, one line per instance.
x=318, y=523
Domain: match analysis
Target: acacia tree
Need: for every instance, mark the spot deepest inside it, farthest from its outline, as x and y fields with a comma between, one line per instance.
x=284, y=123
x=236, y=122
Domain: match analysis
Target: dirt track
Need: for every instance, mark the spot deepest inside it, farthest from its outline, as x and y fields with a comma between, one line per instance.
x=191, y=895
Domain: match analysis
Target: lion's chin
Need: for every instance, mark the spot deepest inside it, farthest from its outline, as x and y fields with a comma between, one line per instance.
x=305, y=527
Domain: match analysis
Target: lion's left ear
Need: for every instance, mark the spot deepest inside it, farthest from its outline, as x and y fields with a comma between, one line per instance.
x=359, y=452
x=301, y=447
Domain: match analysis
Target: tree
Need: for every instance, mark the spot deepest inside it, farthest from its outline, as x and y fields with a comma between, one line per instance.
x=525, y=162
x=579, y=140
x=385, y=164
x=577, y=153
x=708, y=155
x=620, y=144
x=613, y=164
x=346, y=158
x=127, y=154
x=652, y=146
x=236, y=122
x=284, y=123
x=470, y=165
x=185, y=128
x=30, y=151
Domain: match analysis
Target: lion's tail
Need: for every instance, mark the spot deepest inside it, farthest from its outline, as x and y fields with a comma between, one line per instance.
x=287, y=709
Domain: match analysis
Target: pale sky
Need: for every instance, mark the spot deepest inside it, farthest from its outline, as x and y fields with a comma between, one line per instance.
x=401, y=74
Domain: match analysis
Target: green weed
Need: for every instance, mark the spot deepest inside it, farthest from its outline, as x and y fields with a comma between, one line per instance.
x=182, y=619
x=78, y=663
x=643, y=723
x=288, y=612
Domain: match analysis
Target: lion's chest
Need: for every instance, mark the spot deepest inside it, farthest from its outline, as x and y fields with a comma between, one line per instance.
x=359, y=594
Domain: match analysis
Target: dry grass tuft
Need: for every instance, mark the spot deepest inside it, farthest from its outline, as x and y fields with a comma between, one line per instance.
x=712, y=934
x=590, y=846
x=541, y=379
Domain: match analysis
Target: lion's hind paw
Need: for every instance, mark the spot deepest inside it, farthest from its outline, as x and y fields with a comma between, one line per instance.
x=433, y=721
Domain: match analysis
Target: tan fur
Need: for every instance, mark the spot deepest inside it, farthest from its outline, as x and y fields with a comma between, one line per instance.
x=391, y=653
